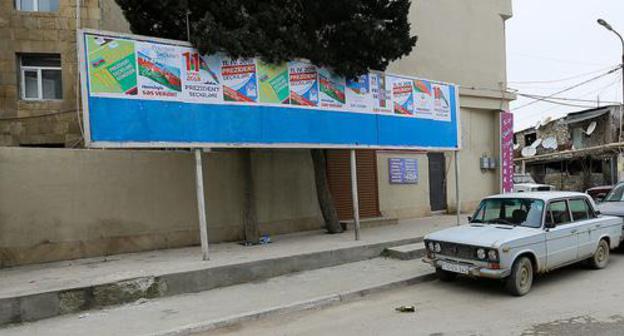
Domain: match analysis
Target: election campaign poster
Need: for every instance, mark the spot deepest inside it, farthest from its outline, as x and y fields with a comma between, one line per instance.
x=403, y=96
x=332, y=89
x=442, y=102
x=159, y=70
x=239, y=80
x=381, y=93
x=423, y=99
x=201, y=76
x=273, y=83
x=112, y=65
x=358, y=97
x=303, y=84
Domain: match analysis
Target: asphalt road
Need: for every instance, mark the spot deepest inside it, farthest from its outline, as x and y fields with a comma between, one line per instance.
x=571, y=301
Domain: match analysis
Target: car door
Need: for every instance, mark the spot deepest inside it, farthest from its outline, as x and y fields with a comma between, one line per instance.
x=561, y=240
x=583, y=218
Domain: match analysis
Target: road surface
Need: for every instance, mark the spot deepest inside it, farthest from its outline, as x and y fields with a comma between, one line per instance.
x=571, y=301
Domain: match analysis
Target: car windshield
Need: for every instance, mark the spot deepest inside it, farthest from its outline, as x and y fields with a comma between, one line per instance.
x=510, y=211
x=523, y=179
x=616, y=194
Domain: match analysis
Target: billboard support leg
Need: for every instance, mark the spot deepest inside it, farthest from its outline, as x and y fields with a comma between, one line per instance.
x=201, y=203
x=457, y=191
x=354, y=193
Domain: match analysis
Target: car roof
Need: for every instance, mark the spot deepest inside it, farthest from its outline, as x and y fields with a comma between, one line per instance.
x=542, y=195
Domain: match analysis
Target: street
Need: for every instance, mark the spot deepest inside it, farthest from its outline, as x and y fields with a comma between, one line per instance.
x=572, y=301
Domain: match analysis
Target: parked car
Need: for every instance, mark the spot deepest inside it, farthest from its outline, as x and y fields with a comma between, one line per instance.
x=517, y=235
x=598, y=193
x=613, y=203
x=526, y=183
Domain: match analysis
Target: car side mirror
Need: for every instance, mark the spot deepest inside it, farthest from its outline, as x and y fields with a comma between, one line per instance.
x=597, y=212
x=550, y=225
x=469, y=219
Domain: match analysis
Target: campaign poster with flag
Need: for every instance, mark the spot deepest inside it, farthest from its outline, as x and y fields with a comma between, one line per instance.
x=112, y=65
x=423, y=99
x=358, y=93
x=332, y=89
x=201, y=76
x=239, y=80
x=441, y=102
x=273, y=83
x=303, y=80
x=159, y=70
x=403, y=96
x=381, y=92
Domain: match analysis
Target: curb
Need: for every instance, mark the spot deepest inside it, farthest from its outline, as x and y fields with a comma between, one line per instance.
x=296, y=307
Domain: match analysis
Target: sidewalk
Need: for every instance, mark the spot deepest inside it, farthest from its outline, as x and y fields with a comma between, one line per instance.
x=33, y=292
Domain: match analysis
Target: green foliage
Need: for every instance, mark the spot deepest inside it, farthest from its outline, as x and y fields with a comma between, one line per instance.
x=350, y=36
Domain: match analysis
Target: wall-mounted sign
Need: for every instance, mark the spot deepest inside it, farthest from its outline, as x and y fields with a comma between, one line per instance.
x=148, y=92
x=506, y=145
x=403, y=170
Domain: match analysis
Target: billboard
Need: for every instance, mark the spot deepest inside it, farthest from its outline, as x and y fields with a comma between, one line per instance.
x=148, y=92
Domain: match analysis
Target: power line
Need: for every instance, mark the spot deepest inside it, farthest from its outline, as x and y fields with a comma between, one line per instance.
x=565, y=79
x=568, y=89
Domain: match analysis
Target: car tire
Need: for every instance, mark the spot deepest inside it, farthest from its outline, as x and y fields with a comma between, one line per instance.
x=521, y=279
x=600, y=259
x=445, y=276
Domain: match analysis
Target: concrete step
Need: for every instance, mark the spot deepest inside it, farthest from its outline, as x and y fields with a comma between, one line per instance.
x=370, y=222
x=68, y=297
x=406, y=252
x=231, y=306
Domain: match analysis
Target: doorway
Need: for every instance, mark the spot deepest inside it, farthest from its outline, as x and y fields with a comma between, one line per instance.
x=437, y=181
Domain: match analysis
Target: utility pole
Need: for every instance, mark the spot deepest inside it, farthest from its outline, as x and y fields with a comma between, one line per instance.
x=610, y=28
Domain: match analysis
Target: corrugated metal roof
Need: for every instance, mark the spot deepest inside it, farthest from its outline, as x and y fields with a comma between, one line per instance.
x=577, y=117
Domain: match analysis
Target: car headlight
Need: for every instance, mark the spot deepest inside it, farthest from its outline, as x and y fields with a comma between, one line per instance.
x=492, y=255
x=437, y=248
x=481, y=253
x=430, y=246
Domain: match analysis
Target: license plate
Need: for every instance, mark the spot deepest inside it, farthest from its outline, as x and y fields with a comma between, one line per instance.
x=455, y=268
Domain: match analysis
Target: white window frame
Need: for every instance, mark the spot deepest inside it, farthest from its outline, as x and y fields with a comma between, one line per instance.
x=18, y=6
x=38, y=69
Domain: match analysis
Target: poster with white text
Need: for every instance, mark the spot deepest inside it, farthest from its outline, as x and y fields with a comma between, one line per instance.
x=358, y=97
x=159, y=70
x=201, y=77
x=332, y=89
x=402, y=96
x=303, y=80
x=441, y=102
x=381, y=93
x=423, y=99
x=239, y=80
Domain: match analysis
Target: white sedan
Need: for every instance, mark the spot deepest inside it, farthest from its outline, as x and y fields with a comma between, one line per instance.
x=514, y=236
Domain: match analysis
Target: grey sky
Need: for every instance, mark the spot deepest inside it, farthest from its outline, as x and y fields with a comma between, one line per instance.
x=557, y=39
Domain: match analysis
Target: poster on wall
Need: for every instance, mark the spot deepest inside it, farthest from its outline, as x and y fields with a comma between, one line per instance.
x=159, y=70
x=403, y=170
x=506, y=145
x=441, y=102
x=332, y=89
x=423, y=99
x=303, y=80
x=112, y=65
x=358, y=93
x=201, y=77
x=273, y=83
x=403, y=96
x=381, y=93
x=239, y=80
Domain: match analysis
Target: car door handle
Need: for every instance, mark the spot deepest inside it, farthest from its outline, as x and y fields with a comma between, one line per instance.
x=574, y=231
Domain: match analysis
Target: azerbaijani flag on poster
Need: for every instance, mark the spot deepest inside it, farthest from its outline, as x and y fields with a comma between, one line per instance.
x=359, y=93
x=273, y=83
x=403, y=96
x=423, y=99
x=239, y=80
x=303, y=80
x=332, y=89
x=112, y=66
x=442, y=103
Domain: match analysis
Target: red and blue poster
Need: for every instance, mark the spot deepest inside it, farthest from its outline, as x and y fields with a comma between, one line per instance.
x=239, y=80
x=423, y=99
x=332, y=89
x=303, y=78
x=403, y=96
x=441, y=102
x=201, y=77
x=381, y=93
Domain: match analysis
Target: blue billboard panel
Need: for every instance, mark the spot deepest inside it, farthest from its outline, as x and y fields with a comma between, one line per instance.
x=147, y=92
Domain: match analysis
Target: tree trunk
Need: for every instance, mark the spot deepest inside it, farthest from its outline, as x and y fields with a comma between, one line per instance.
x=326, y=202
x=250, y=220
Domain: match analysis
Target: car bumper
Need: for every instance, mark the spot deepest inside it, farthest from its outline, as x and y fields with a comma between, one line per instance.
x=473, y=270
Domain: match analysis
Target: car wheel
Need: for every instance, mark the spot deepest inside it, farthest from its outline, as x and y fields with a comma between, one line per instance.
x=521, y=279
x=600, y=259
x=445, y=275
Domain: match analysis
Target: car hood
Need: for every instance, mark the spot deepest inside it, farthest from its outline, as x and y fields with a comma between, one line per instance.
x=486, y=235
x=612, y=208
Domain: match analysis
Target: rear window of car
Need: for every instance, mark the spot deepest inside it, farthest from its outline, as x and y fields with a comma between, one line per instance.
x=580, y=209
x=557, y=213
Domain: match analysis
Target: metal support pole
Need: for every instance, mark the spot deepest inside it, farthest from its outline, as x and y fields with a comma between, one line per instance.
x=354, y=192
x=457, y=192
x=201, y=203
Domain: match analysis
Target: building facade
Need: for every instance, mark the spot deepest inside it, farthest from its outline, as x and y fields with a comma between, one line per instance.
x=104, y=202
x=575, y=152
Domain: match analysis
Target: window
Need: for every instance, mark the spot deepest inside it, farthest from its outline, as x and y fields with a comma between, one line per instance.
x=616, y=194
x=529, y=139
x=37, y=5
x=558, y=213
x=580, y=209
x=510, y=211
x=41, y=76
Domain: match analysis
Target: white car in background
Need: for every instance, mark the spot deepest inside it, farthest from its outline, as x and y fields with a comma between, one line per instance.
x=515, y=236
x=526, y=183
